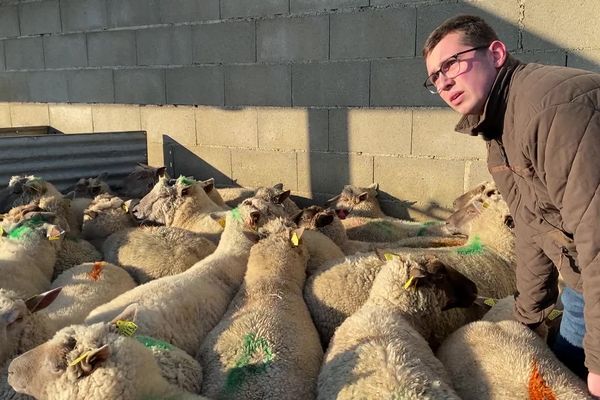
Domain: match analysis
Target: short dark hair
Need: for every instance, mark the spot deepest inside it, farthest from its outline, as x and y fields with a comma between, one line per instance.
x=476, y=32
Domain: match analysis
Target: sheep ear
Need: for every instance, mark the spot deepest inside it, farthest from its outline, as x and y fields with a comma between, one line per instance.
x=363, y=196
x=70, y=195
x=208, y=187
x=324, y=220
x=42, y=300
x=333, y=199
x=509, y=221
x=128, y=314
x=160, y=172
x=94, y=359
x=278, y=199
x=297, y=217
x=278, y=186
x=374, y=186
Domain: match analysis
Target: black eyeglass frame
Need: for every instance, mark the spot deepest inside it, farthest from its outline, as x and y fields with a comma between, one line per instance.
x=432, y=88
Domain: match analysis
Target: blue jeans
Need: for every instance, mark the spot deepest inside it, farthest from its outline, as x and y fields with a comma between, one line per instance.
x=568, y=344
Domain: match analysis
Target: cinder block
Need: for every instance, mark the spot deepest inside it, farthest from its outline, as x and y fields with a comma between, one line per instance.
x=164, y=46
x=48, y=86
x=64, y=51
x=434, y=135
x=82, y=15
x=25, y=53
x=432, y=183
x=235, y=127
x=552, y=23
x=14, y=86
x=90, y=86
x=502, y=15
x=400, y=83
x=299, y=6
x=370, y=131
x=111, y=48
x=173, y=11
x=253, y=8
x=264, y=168
x=403, y=2
x=202, y=162
x=369, y=34
x=329, y=172
x=557, y=57
x=195, y=85
x=39, y=17
x=224, y=42
x=263, y=85
x=293, y=39
x=330, y=84
x=175, y=122
x=584, y=59
x=71, y=118
x=9, y=21
x=116, y=117
x=292, y=129
x=5, y=115
x=29, y=115
x=156, y=155
x=140, y=86
x=133, y=12
x=476, y=172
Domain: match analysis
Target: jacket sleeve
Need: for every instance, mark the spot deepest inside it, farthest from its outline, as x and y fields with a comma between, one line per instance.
x=568, y=161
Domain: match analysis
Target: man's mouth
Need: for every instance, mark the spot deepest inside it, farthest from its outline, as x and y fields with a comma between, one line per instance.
x=456, y=97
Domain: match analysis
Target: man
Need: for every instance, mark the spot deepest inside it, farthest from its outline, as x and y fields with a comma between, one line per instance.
x=541, y=125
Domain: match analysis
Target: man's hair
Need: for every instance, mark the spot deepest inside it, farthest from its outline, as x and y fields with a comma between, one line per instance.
x=476, y=32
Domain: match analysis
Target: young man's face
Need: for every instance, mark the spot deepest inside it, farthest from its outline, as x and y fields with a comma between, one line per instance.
x=468, y=91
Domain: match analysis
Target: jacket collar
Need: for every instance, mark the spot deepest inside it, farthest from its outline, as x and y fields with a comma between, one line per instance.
x=491, y=123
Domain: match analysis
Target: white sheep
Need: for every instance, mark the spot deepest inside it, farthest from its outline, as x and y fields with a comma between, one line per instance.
x=382, y=350
x=183, y=308
x=340, y=287
x=486, y=189
x=500, y=358
x=140, y=181
x=153, y=252
x=105, y=215
x=95, y=362
x=266, y=345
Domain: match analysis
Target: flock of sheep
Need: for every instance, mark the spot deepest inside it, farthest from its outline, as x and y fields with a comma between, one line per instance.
x=162, y=290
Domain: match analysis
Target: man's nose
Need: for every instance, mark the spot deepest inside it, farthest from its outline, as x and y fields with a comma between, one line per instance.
x=443, y=83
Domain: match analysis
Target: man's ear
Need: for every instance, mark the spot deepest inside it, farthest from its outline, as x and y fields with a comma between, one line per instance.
x=499, y=53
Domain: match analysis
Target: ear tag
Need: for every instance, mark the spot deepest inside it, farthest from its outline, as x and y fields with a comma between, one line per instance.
x=554, y=314
x=295, y=240
x=1, y=231
x=125, y=208
x=485, y=204
x=96, y=271
x=490, y=302
x=389, y=257
x=409, y=282
x=80, y=358
x=221, y=222
x=126, y=328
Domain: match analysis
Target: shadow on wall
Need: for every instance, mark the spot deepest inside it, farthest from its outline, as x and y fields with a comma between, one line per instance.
x=332, y=159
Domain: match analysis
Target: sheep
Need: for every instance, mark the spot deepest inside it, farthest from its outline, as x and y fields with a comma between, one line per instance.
x=232, y=196
x=140, y=181
x=485, y=189
x=339, y=287
x=28, y=252
x=362, y=202
x=382, y=350
x=74, y=251
x=267, y=322
x=327, y=222
x=153, y=252
x=84, y=288
x=499, y=358
x=213, y=193
x=277, y=195
x=105, y=215
x=96, y=362
x=183, y=308
x=184, y=204
x=83, y=192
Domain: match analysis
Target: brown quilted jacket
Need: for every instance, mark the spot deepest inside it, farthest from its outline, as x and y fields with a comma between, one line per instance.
x=542, y=129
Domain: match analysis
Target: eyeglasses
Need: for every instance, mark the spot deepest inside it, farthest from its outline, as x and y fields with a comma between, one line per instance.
x=450, y=68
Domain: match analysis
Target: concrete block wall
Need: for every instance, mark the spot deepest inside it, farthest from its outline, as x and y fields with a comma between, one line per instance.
x=312, y=93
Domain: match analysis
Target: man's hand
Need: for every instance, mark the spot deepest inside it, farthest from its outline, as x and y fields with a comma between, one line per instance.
x=593, y=382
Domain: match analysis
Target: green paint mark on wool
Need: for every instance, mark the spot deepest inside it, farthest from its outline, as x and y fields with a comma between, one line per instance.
x=185, y=181
x=425, y=227
x=151, y=342
x=473, y=247
x=235, y=213
x=27, y=226
x=252, y=348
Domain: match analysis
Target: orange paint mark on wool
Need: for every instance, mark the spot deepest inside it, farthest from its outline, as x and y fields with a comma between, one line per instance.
x=96, y=271
x=537, y=388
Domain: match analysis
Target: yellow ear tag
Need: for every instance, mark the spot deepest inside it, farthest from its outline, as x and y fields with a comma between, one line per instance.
x=490, y=302
x=79, y=359
x=389, y=257
x=221, y=222
x=125, y=208
x=409, y=282
x=485, y=204
x=295, y=240
x=554, y=314
x=1, y=231
x=126, y=328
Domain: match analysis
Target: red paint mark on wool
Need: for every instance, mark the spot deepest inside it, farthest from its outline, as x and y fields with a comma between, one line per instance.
x=96, y=271
x=537, y=388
